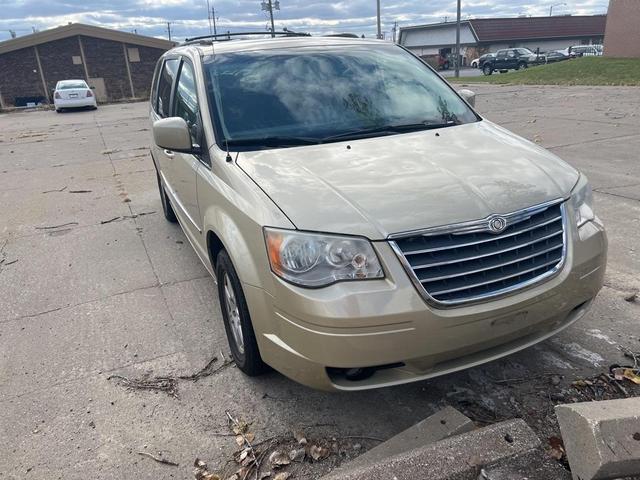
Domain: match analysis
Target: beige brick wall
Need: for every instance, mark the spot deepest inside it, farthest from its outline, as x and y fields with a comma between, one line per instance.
x=622, y=34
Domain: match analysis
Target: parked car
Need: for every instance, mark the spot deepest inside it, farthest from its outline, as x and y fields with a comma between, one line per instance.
x=553, y=57
x=511, y=59
x=585, y=51
x=366, y=227
x=479, y=62
x=73, y=94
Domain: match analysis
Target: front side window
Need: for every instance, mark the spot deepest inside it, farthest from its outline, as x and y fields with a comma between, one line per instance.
x=186, y=101
x=165, y=85
x=318, y=95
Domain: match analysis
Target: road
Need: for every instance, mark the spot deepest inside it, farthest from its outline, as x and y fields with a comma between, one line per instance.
x=94, y=283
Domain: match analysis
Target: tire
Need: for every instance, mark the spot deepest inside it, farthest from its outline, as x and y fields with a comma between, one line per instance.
x=486, y=69
x=58, y=110
x=237, y=320
x=521, y=66
x=167, y=209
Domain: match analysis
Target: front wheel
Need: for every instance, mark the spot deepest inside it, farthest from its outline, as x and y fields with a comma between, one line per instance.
x=521, y=66
x=237, y=321
x=487, y=70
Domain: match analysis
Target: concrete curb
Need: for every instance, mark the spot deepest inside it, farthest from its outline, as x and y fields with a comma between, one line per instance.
x=602, y=439
x=460, y=457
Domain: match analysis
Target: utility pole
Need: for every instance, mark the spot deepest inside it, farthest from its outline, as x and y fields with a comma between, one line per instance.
x=209, y=16
x=169, y=29
x=269, y=6
x=395, y=32
x=213, y=17
x=379, y=36
x=457, y=59
x=556, y=5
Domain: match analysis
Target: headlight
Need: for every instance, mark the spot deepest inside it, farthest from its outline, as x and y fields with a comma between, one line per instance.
x=582, y=200
x=317, y=260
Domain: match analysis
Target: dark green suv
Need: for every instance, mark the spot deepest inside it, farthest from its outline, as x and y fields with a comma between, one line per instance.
x=511, y=59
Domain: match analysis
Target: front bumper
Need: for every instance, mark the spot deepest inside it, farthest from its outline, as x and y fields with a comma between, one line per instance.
x=303, y=332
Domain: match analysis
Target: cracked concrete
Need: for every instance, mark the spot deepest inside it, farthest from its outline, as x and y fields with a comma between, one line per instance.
x=131, y=297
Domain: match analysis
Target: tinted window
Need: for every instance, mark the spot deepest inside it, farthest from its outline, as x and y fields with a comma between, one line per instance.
x=317, y=93
x=70, y=85
x=164, y=86
x=186, y=101
x=501, y=54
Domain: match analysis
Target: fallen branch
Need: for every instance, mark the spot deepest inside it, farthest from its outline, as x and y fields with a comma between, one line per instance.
x=109, y=221
x=159, y=460
x=161, y=384
x=57, y=226
x=60, y=190
x=79, y=191
x=255, y=462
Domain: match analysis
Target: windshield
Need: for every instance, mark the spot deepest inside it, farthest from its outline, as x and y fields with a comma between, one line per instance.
x=287, y=97
x=525, y=51
x=70, y=85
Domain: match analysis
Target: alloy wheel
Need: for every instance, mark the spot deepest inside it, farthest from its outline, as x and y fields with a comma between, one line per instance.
x=233, y=314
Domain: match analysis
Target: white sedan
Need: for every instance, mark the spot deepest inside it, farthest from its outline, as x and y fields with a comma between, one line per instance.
x=73, y=94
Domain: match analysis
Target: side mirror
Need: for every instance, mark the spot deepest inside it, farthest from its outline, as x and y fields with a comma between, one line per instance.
x=173, y=134
x=469, y=96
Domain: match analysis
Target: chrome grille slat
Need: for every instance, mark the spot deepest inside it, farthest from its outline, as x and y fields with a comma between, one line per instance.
x=506, y=277
x=466, y=259
x=524, y=230
x=466, y=262
x=478, y=270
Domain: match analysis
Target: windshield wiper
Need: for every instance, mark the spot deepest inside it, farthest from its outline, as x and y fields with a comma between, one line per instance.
x=389, y=130
x=271, y=141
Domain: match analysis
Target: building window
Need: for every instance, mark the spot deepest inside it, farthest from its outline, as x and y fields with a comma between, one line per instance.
x=134, y=54
x=76, y=59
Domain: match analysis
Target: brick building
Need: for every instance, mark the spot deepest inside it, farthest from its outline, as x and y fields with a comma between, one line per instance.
x=482, y=35
x=622, y=35
x=118, y=65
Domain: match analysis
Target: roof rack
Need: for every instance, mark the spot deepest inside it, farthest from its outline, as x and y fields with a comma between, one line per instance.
x=342, y=35
x=224, y=37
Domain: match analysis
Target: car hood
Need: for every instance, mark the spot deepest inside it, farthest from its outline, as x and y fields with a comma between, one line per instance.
x=379, y=186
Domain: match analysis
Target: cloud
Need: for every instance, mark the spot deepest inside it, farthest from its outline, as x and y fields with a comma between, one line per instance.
x=189, y=17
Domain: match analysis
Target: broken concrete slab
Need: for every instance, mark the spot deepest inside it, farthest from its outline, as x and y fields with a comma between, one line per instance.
x=602, y=439
x=461, y=457
x=443, y=424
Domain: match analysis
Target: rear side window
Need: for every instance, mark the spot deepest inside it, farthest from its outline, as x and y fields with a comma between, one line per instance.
x=165, y=84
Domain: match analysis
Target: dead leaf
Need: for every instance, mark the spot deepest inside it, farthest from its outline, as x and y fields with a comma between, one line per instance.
x=278, y=459
x=297, y=454
x=318, y=453
x=557, y=448
x=300, y=436
x=250, y=437
x=282, y=476
x=630, y=374
x=239, y=440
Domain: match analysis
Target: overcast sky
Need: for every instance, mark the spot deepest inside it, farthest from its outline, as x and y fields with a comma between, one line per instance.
x=189, y=17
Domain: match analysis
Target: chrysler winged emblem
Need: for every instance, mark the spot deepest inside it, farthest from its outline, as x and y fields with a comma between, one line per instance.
x=497, y=224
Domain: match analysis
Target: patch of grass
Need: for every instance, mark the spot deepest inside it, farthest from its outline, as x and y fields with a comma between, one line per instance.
x=578, y=71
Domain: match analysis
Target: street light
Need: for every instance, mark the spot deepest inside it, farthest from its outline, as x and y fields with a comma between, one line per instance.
x=457, y=59
x=269, y=6
x=556, y=5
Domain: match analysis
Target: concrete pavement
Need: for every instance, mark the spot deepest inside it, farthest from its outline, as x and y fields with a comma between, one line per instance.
x=85, y=300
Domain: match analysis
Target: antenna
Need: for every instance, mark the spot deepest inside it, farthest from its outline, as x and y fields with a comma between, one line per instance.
x=228, y=159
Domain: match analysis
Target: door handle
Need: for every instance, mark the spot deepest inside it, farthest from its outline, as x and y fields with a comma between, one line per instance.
x=169, y=153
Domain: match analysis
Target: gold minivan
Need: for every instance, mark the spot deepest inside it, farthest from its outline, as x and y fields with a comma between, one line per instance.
x=365, y=225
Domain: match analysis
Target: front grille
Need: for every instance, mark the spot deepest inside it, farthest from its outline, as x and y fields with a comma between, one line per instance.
x=467, y=263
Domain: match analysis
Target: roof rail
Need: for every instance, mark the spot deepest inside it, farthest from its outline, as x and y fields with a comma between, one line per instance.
x=342, y=35
x=223, y=37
